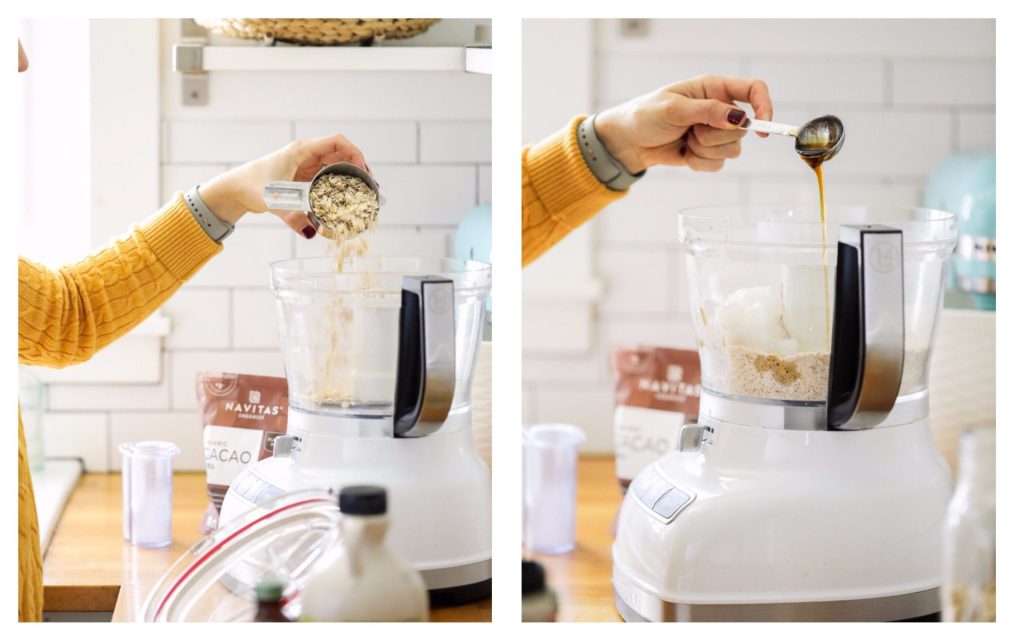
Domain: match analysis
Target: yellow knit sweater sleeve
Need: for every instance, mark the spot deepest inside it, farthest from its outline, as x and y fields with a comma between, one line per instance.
x=559, y=191
x=65, y=316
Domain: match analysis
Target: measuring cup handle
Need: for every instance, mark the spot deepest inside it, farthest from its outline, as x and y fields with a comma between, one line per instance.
x=767, y=126
x=287, y=196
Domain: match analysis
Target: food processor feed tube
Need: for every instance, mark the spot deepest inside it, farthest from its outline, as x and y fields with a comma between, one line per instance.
x=426, y=356
x=810, y=489
x=867, y=340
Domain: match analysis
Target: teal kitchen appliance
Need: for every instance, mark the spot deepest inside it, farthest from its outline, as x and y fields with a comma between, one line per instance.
x=473, y=242
x=965, y=184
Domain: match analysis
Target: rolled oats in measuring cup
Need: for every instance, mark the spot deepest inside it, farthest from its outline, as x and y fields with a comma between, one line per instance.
x=344, y=205
x=341, y=201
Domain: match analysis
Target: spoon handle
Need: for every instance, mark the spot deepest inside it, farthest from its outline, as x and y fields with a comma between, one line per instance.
x=767, y=126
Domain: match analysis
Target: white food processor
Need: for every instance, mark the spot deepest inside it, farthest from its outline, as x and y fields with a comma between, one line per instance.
x=810, y=488
x=379, y=356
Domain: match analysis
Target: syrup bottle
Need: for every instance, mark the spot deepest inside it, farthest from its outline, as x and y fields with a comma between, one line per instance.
x=362, y=580
x=268, y=602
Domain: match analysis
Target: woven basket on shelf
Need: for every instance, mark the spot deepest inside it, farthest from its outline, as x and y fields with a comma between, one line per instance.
x=319, y=31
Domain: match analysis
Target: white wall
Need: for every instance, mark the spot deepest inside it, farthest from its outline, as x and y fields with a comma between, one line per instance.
x=930, y=85
x=427, y=138
x=52, y=136
x=560, y=288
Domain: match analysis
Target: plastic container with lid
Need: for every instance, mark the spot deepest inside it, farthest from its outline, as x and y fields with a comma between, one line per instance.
x=550, y=455
x=147, y=492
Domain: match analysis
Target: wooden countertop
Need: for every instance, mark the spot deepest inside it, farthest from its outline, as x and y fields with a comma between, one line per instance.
x=88, y=567
x=583, y=578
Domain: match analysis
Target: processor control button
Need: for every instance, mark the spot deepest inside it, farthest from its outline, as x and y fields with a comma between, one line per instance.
x=652, y=497
x=644, y=483
x=654, y=492
x=671, y=503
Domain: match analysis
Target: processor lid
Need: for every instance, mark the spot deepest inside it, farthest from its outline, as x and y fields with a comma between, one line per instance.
x=215, y=580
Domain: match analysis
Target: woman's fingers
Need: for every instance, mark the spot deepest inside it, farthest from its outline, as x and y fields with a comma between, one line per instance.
x=672, y=154
x=754, y=92
x=684, y=111
x=697, y=163
x=689, y=151
x=298, y=222
x=725, y=151
x=333, y=148
x=712, y=137
x=309, y=156
x=353, y=155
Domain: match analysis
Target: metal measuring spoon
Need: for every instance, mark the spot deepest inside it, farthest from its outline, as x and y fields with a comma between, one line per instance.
x=817, y=141
x=294, y=196
x=820, y=139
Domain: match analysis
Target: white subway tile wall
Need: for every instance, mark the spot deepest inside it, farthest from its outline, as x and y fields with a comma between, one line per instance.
x=200, y=319
x=181, y=428
x=380, y=142
x=253, y=319
x=185, y=365
x=930, y=85
x=426, y=137
x=79, y=435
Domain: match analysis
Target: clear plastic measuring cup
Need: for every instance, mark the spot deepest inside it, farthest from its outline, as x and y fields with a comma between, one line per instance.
x=550, y=452
x=147, y=489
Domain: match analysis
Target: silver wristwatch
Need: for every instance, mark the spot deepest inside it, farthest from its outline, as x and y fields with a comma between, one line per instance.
x=601, y=163
x=214, y=227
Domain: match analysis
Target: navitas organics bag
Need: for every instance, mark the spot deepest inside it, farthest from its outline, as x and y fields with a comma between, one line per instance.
x=242, y=415
x=657, y=391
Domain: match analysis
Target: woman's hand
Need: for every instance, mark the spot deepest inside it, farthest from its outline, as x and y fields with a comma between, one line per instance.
x=233, y=193
x=694, y=123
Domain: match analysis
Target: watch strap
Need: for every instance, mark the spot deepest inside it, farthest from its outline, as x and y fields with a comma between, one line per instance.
x=600, y=161
x=214, y=227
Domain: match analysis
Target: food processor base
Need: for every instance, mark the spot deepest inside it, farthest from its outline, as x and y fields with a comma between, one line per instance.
x=463, y=594
x=766, y=524
x=457, y=585
x=920, y=606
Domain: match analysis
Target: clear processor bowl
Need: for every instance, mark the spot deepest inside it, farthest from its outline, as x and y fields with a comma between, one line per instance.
x=339, y=328
x=762, y=286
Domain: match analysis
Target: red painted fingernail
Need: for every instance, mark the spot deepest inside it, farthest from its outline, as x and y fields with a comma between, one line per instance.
x=735, y=116
x=309, y=232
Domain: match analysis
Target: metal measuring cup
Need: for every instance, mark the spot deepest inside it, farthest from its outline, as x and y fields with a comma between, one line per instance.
x=816, y=141
x=294, y=196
